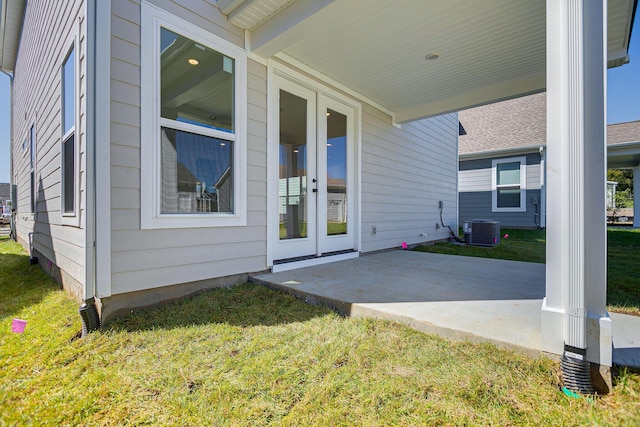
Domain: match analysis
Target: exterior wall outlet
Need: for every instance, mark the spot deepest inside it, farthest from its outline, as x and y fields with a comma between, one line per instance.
x=437, y=226
x=440, y=204
x=374, y=230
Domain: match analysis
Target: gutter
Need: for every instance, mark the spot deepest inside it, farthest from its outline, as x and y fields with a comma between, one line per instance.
x=14, y=203
x=500, y=152
x=88, y=311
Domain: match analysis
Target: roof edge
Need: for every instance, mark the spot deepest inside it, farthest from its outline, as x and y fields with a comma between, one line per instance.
x=501, y=152
x=11, y=20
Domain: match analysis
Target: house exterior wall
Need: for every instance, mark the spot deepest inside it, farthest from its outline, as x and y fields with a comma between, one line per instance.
x=406, y=171
x=48, y=30
x=144, y=259
x=475, y=193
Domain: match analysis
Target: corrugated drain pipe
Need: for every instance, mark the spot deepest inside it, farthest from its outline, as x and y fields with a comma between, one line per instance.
x=89, y=315
x=576, y=371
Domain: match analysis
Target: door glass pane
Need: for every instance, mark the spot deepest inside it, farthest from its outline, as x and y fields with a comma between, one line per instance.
x=292, y=184
x=336, y=173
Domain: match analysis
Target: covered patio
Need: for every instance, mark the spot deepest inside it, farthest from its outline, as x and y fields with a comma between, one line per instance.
x=414, y=59
x=461, y=298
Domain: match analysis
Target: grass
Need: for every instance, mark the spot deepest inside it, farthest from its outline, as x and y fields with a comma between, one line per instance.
x=251, y=356
x=623, y=280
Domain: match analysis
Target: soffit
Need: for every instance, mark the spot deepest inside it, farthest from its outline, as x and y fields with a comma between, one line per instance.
x=249, y=14
x=489, y=50
x=11, y=12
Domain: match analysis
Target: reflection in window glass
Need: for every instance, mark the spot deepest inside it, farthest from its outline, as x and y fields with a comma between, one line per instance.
x=196, y=83
x=508, y=173
x=68, y=92
x=508, y=198
x=68, y=158
x=292, y=185
x=336, y=173
x=196, y=173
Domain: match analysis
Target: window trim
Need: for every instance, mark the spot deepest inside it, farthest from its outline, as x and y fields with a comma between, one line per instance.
x=152, y=18
x=523, y=184
x=71, y=218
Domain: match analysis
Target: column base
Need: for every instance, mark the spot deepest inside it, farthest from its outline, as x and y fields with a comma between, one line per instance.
x=599, y=334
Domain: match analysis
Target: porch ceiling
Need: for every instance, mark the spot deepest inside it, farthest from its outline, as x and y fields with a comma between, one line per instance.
x=488, y=51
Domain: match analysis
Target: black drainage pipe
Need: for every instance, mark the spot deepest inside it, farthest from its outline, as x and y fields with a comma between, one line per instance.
x=90, y=318
x=576, y=371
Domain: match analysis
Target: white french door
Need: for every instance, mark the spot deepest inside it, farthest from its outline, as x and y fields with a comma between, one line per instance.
x=316, y=173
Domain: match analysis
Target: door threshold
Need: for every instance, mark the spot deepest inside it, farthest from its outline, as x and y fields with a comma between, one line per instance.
x=308, y=261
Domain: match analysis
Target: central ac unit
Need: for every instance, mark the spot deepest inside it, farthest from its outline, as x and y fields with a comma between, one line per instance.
x=482, y=232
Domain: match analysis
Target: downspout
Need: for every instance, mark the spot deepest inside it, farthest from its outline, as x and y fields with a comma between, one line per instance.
x=88, y=311
x=14, y=203
x=543, y=188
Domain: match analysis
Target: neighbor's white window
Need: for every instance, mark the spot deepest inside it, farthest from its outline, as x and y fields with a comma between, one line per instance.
x=193, y=138
x=69, y=112
x=509, y=185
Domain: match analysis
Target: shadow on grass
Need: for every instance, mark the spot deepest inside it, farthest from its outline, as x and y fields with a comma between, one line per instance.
x=243, y=305
x=21, y=284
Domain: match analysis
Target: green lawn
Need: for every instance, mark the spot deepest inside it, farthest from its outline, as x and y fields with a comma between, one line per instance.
x=623, y=280
x=251, y=356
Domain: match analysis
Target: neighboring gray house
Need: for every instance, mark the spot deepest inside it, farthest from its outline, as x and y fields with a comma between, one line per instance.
x=502, y=150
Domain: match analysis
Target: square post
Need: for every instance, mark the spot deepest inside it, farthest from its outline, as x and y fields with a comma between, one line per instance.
x=574, y=314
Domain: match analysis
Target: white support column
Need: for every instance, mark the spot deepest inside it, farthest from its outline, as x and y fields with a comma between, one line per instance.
x=636, y=196
x=574, y=310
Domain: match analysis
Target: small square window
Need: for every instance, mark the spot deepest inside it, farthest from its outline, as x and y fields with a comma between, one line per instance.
x=508, y=185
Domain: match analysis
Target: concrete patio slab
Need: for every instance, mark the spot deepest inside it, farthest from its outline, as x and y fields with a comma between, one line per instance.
x=474, y=299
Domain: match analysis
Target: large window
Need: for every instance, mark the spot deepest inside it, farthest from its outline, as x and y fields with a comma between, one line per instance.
x=509, y=189
x=69, y=150
x=193, y=129
x=196, y=89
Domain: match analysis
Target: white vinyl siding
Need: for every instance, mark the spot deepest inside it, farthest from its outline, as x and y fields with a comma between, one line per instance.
x=405, y=173
x=508, y=184
x=145, y=259
x=49, y=27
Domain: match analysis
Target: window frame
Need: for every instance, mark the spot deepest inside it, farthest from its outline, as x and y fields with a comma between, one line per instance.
x=71, y=218
x=151, y=217
x=495, y=187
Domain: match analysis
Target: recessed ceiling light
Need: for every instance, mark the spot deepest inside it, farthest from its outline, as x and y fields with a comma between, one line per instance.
x=193, y=61
x=431, y=56
x=296, y=150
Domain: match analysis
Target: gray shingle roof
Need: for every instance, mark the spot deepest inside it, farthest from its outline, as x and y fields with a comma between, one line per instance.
x=521, y=123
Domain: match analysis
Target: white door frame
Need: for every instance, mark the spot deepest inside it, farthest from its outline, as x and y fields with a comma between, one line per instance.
x=277, y=71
